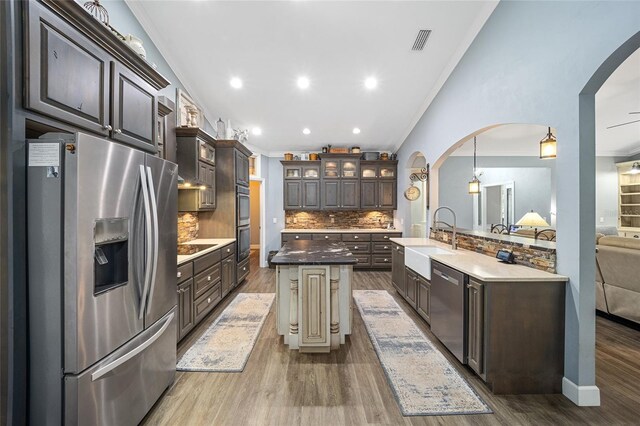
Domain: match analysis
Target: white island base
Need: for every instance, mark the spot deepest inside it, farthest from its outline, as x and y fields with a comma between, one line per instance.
x=314, y=306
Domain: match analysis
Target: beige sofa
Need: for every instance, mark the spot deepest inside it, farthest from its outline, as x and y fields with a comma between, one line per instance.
x=618, y=276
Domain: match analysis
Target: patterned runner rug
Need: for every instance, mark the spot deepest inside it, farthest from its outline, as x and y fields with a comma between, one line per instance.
x=423, y=381
x=228, y=342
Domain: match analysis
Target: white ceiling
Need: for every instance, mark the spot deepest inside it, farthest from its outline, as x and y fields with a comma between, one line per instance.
x=335, y=44
x=619, y=95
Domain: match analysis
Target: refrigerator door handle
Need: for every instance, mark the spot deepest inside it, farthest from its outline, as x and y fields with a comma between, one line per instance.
x=156, y=236
x=126, y=357
x=149, y=240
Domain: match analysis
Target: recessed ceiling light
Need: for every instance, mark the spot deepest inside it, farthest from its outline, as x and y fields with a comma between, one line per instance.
x=356, y=131
x=306, y=131
x=370, y=83
x=303, y=82
x=257, y=131
x=236, y=83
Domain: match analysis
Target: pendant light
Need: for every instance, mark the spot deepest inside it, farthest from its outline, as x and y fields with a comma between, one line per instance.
x=548, y=146
x=474, y=184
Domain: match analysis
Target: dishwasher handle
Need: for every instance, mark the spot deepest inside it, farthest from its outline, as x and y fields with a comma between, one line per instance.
x=445, y=276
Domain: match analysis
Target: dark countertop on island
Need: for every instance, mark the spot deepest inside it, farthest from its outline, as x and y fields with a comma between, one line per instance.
x=309, y=252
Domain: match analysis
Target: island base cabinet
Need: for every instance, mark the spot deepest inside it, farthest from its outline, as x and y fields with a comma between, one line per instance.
x=423, y=298
x=313, y=306
x=411, y=284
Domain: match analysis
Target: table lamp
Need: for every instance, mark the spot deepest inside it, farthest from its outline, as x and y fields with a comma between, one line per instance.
x=533, y=220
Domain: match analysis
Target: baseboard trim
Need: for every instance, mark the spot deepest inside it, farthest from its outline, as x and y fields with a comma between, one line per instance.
x=582, y=396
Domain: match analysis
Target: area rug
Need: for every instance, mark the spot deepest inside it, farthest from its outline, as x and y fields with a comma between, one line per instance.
x=228, y=342
x=423, y=381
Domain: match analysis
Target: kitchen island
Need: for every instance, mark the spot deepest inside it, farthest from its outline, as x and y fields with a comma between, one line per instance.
x=313, y=294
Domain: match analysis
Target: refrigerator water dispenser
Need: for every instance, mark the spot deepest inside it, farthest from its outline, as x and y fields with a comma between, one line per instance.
x=111, y=254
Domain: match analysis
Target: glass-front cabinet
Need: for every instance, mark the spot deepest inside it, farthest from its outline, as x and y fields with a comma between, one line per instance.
x=378, y=169
x=337, y=168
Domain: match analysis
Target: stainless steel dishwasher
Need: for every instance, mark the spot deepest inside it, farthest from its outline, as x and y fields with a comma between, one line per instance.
x=448, y=307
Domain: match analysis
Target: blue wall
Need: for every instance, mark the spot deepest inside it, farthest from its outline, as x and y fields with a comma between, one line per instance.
x=529, y=64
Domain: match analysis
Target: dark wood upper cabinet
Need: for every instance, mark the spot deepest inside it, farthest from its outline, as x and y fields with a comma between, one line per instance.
x=311, y=194
x=349, y=194
x=134, y=108
x=330, y=196
x=292, y=194
x=387, y=194
x=196, y=154
x=368, y=194
x=344, y=182
x=67, y=76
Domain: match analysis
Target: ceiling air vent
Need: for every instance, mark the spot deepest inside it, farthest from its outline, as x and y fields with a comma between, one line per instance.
x=421, y=40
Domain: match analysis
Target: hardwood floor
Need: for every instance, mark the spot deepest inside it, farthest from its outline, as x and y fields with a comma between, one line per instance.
x=283, y=387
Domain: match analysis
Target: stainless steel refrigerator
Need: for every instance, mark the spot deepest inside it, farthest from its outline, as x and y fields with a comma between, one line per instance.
x=102, y=225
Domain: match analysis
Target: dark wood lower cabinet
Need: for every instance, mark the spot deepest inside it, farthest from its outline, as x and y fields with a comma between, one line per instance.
x=228, y=275
x=411, y=285
x=423, y=298
x=397, y=269
x=203, y=283
x=185, y=308
x=475, y=342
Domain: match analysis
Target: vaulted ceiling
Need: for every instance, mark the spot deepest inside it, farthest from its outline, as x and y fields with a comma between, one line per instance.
x=336, y=45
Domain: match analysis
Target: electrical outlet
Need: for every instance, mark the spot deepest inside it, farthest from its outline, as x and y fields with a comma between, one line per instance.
x=275, y=220
x=295, y=220
x=602, y=220
x=333, y=220
x=401, y=221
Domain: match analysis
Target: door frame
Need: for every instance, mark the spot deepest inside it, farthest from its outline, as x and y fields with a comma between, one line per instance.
x=263, y=220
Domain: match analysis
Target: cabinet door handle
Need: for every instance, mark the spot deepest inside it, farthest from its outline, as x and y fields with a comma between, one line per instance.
x=107, y=127
x=297, y=237
x=326, y=237
x=228, y=250
x=386, y=237
x=386, y=260
x=208, y=300
x=209, y=278
x=244, y=269
x=386, y=247
x=118, y=131
x=179, y=274
x=355, y=248
x=356, y=237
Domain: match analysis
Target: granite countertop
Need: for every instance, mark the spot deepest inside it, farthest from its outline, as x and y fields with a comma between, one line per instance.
x=340, y=231
x=480, y=266
x=219, y=242
x=308, y=252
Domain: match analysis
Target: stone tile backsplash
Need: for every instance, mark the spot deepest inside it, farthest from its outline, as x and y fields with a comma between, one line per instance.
x=533, y=257
x=341, y=219
x=187, y=227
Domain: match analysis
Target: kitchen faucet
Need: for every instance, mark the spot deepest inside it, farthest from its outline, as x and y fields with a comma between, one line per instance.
x=454, y=245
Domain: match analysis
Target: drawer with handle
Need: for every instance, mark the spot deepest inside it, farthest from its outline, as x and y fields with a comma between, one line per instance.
x=364, y=260
x=356, y=237
x=381, y=260
x=382, y=247
x=327, y=237
x=356, y=248
x=229, y=250
x=293, y=237
x=243, y=270
x=385, y=236
x=206, y=261
x=206, y=302
x=185, y=272
x=205, y=280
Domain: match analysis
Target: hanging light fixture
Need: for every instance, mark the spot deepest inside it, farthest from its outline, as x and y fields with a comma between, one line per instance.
x=548, y=146
x=474, y=184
